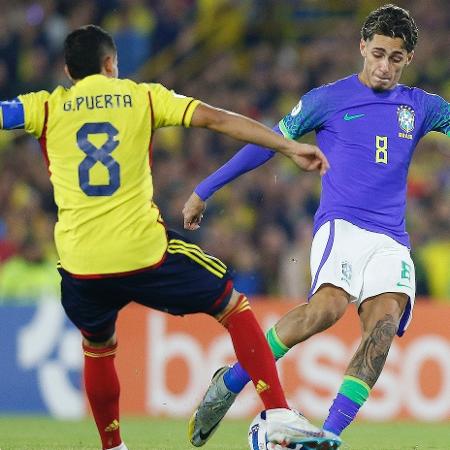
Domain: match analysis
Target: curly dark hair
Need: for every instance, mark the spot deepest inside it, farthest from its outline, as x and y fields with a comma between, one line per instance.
x=393, y=21
x=84, y=49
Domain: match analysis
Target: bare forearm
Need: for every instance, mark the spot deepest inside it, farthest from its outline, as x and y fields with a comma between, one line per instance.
x=239, y=127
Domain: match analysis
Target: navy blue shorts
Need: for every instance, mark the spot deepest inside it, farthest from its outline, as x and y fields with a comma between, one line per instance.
x=188, y=281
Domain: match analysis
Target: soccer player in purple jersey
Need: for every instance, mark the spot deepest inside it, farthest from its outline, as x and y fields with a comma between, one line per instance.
x=368, y=126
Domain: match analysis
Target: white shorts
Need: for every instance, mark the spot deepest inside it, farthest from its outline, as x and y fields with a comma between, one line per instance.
x=362, y=263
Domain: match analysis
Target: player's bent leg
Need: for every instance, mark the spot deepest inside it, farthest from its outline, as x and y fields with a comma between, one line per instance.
x=325, y=308
x=103, y=389
x=380, y=317
x=253, y=352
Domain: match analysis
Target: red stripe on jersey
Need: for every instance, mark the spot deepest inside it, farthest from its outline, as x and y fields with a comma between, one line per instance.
x=150, y=144
x=43, y=138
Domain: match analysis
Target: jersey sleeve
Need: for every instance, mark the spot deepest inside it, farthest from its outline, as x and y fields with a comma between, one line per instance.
x=248, y=158
x=309, y=114
x=170, y=108
x=34, y=111
x=437, y=114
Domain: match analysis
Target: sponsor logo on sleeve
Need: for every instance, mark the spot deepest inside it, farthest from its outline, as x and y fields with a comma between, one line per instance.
x=297, y=108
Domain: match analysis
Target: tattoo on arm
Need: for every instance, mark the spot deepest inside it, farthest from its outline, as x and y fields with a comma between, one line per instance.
x=369, y=359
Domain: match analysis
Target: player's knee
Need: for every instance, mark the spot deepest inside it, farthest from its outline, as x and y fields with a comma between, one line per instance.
x=383, y=325
x=238, y=303
x=382, y=313
x=100, y=341
x=311, y=320
x=327, y=306
x=235, y=297
x=321, y=318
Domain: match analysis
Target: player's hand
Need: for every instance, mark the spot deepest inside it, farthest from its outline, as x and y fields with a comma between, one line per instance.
x=309, y=157
x=193, y=212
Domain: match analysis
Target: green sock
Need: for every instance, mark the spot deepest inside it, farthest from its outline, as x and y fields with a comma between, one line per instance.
x=277, y=347
x=355, y=389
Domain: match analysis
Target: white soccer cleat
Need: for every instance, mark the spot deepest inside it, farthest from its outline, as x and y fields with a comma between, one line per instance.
x=330, y=441
x=286, y=426
x=333, y=440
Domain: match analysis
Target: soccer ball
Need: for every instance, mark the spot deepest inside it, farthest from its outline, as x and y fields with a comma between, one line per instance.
x=257, y=436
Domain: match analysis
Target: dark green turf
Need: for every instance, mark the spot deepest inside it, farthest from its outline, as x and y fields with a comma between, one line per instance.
x=33, y=433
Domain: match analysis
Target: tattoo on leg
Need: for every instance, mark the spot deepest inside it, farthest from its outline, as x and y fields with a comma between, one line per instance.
x=369, y=359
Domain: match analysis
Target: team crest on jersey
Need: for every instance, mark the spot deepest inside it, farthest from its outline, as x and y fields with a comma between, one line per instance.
x=346, y=272
x=406, y=119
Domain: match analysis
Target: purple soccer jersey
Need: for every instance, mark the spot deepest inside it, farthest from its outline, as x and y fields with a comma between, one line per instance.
x=369, y=138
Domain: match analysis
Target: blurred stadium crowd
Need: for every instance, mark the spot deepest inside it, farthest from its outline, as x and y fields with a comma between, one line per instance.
x=255, y=57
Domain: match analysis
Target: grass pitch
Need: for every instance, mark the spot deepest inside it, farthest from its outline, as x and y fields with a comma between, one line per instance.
x=41, y=433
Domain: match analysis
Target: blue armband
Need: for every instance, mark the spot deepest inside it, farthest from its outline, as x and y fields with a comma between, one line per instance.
x=12, y=114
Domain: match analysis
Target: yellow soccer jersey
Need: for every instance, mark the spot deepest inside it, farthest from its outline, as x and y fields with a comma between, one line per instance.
x=96, y=138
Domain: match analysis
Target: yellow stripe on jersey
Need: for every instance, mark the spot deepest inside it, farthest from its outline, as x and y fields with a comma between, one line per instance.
x=208, y=259
x=97, y=138
x=196, y=259
x=199, y=257
x=213, y=260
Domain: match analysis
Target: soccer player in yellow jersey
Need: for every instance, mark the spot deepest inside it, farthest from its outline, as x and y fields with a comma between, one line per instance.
x=112, y=242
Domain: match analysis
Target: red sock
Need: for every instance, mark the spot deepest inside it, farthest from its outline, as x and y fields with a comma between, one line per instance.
x=103, y=390
x=254, y=353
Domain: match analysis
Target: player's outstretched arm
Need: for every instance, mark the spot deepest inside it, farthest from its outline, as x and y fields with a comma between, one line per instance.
x=307, y=157
x=248, y=158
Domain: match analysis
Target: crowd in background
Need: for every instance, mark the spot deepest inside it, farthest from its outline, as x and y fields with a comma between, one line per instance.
x=255, y=57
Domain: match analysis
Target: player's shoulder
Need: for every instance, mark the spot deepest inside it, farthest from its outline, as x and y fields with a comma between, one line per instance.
x=341, y=83
x=338, y=88
x=31, y=100
x=47, y=96
x=163, y=94
x=418, y=95
x=158, y=88
x=337, y=85
x=328, y=97
x=155, y=89
x=58, y=92
x=126, y=84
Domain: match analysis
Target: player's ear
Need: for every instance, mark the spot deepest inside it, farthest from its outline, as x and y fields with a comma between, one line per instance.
x=110, y=66
x=66, y=71
x=409, y=58
x=363, y=48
